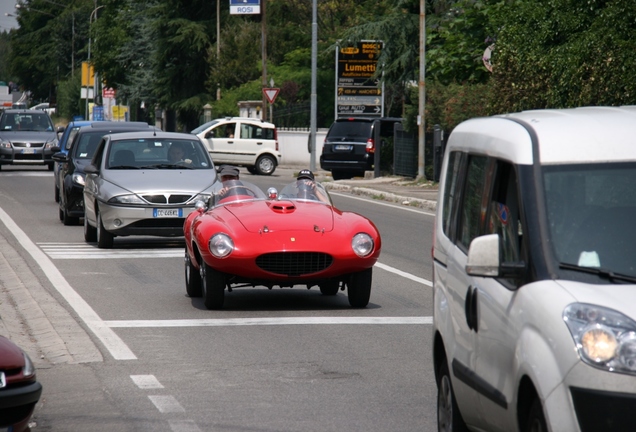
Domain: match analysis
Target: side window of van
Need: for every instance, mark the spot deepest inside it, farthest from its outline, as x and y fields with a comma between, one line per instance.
x=474, y=208
x=504, y=218
x=451, y=192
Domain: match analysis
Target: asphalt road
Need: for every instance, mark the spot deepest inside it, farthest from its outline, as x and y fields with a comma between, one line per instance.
x=119, y=346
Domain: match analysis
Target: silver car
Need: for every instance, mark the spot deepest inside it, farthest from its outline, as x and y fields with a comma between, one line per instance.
x=145, y=183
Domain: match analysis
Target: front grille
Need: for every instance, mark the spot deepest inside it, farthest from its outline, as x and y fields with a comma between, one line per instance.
x=169, y=199
x=604, y=411
x=30, y=144
x=294, y=263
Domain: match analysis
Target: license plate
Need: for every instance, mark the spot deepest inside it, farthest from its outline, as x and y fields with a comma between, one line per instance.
x=162, y=213
x=342, y=147
x=27, y=151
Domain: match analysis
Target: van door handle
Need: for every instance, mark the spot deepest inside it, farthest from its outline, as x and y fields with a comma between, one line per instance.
x=470, y=308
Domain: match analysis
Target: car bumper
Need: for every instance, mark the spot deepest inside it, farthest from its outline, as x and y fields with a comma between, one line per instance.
x=74, y=201
x=25, y=156
x=17, y=403
x=330, y=164
x=121, y=221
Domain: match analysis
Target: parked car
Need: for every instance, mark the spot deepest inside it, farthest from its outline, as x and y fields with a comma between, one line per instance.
x=66, y=135
x=534, y=325
x=296, y=237
x=19, y=389
x=239, y=141
x=71, y=172
x=26, y=138
x=132, y=188
x=351, y=142
x=44, y=106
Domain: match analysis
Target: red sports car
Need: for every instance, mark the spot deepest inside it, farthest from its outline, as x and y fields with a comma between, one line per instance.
x=243, y=238
x=19, y=391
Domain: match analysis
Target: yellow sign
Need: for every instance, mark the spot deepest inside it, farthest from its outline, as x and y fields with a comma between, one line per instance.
x=88, y=75
x=119, y=112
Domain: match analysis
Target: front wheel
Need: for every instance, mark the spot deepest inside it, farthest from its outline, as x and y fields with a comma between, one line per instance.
x=536, y=418
x=359, y=288
x=213, y=287
x=192, y=277
x=448, y=417
x=104, y=238
x=90, y=232
x=265, y=165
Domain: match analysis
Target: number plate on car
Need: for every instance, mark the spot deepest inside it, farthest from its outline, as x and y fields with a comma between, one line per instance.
x=161, y=213
x=28, y=151
x=343, y=147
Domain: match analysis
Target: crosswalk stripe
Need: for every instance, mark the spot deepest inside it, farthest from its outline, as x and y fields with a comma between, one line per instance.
x=59, y=251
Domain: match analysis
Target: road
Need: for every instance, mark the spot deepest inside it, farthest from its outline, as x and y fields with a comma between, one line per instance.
x=127, y=350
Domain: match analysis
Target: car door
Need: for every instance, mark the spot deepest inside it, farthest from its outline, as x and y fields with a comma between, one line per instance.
x=250, y=142
x=221, y=143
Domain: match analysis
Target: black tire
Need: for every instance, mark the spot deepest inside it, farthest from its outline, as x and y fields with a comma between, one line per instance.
x=104, y=238
x=90, y=232
x=536, y=418
x=449, y=419
x=359, y=288
x=192, y=278
x=57, y=194
x=68, y=220
x=213, y=287
x=50, y=167
x=265, y=165
x=251, y=170
x=61, y=214
x=341, y=174
x=330, y=288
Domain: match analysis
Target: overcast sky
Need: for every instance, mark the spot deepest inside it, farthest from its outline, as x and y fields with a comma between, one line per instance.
x=7, y=23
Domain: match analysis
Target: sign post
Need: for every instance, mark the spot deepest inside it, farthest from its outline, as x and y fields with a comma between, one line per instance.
x=357, y=93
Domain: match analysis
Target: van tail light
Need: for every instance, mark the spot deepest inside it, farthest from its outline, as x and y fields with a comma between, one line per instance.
x=370, y=146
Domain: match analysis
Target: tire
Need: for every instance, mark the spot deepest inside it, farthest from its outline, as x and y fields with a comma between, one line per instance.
x=265, y=165
x=104, y=238
x=66, y=219
x=213, y=287
x=449, y=418
x=330, y=288
x=341, y=174
x=50, y=167
x=192, y=277
x=90, y=232
x=359, y=288
x=536, y=418
x=251, y=170
x=57, y=194
x=61, y=214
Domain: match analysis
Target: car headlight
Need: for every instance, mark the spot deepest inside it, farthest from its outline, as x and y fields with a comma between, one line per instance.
x=79, y=178
x=604, y=338
x=126, y=199
x=28, y=369
x=50, y=143
x=221, y=245
x=5, y=144
x=362, y=244
x=200, y=197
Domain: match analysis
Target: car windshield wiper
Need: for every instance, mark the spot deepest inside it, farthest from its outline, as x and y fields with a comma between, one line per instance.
x=124, y=167
x=167, y=166
x=612, y=276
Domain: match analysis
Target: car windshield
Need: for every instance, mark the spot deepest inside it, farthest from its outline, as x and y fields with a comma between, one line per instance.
x=26, y=121
x=204, y=126
x=87, y=144
x=157, y=153
x=305, y=190
x=591, y=214
x=233, y=191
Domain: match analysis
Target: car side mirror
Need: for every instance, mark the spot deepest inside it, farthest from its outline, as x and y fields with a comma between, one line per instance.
x=59, y=157
x=484, y=259
x=91, y=169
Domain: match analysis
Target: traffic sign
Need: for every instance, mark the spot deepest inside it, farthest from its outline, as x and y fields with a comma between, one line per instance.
x=245, y=7
x=270, y=94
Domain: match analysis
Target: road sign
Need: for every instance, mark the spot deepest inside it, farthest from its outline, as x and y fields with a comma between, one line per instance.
x=245, y=7
x=108, y=92
x=270, y=94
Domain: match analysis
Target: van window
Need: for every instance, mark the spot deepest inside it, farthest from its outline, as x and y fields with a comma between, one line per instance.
x=473, y=212
x=451, y=194
x=504, y=216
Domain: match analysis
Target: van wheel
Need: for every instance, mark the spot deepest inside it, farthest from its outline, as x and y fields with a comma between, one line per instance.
x=536, y=418
x=449, y=418
x=251, y=170
x=341, y=174
x=359, y=288
x=265, y=165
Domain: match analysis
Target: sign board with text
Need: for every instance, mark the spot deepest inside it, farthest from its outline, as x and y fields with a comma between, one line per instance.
x=357, y=91
x=245, y=7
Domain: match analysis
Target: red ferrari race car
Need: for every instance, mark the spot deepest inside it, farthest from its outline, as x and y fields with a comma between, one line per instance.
x=243, y=238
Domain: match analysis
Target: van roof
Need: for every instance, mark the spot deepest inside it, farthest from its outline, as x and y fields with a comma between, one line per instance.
x=553, y=136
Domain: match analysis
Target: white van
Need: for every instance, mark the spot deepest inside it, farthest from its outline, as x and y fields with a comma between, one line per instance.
x=535, y=273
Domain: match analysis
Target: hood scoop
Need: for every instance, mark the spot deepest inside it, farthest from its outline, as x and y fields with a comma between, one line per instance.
x=282, y=206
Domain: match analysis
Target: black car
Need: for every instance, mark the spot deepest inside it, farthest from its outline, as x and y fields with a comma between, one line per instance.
x=351, y=142
x=71, y=173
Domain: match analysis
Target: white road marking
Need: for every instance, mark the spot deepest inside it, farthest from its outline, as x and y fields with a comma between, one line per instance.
x=404, y=274
x=231, y=322
x=183, y=426
x=166, y=404
x=146, y=382
x=88, y=251
x=113, y=343
x=382, y=203
x=26, y=174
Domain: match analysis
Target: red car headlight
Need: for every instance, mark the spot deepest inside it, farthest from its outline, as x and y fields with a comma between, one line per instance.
x=221, y=245
x=362, y=244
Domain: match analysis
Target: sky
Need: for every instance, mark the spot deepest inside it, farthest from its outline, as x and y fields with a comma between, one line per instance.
x=7, y=23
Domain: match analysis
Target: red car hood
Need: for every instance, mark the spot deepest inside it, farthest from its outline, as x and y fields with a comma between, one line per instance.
x=11, y=356
x=278, y=216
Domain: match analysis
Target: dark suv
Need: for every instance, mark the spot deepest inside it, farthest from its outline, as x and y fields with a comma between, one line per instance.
x=351, y=142
x=71, y=165
x=26, y=138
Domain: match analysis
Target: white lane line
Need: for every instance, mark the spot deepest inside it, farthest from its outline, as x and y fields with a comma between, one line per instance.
x=113, y=343
x=404, y=274
x=230, y=322
x=26, y=174
x=382, y=203
x=183, y=426
x=86, y=251
x=146, y=382
x=166, y=404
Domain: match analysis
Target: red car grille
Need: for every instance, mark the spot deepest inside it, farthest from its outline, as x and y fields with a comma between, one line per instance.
x=294, y=264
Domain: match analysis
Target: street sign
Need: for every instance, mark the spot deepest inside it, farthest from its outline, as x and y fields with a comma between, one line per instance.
x=357, y=91
x=108, y=92
x=245, y=7
x=270, y=94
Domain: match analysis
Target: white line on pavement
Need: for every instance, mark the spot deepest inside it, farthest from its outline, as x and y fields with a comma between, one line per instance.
x=146, y=382
x=166, y=404
x=394, y=205
x=183, y=426
x=404, y=274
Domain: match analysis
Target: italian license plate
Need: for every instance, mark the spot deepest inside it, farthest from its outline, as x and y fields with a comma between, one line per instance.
x=27, y=151
x=166, y=213
x=343, y=147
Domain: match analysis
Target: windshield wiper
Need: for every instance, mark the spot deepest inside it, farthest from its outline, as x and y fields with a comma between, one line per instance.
x=600, y=272
x=167, y=166
x=124, y=167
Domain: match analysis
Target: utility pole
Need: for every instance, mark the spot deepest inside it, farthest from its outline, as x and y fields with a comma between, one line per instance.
x=422, y=92
x=264, y=54
x=218, y=43
x=314, y=107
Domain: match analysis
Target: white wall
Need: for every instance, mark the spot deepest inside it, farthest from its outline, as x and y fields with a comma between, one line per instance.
x=293, y=146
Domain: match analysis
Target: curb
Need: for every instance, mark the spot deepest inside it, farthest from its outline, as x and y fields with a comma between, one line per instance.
x=386, y=196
